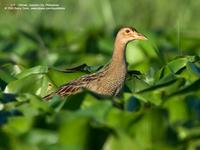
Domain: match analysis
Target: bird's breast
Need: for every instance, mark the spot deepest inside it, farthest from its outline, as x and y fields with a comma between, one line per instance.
x=108, y=84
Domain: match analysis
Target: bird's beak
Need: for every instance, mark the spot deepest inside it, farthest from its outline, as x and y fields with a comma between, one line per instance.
x=139, y=36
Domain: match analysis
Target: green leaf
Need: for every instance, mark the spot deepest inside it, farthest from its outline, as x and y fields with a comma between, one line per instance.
x=135, y=84
x=157, y=93
x=177, y=109
x=58, y=78
x=120, y=120
x=41, y=137
x=194, y=70
x=31, y=71
x=8, y=72
x=18, y=125
x=174, y=66
x=149, y=129
x=98, y=110
x=120, y=142
x=181, y=62
x=74, y=102
x=31, y=84
x=193, y=87
x=69, y=132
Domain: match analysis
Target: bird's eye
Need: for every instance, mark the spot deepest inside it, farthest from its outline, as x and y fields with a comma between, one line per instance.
x=127, y=31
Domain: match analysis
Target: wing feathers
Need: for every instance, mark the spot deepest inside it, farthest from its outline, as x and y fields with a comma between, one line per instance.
x=77, y=85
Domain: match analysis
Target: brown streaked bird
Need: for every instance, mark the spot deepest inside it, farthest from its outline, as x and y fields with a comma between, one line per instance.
x=109, y=80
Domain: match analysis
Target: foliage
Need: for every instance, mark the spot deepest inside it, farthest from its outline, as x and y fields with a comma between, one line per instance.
x=160, y=103
x=160, y=109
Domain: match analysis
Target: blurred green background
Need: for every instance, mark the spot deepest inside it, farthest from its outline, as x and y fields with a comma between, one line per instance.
x=160, y=101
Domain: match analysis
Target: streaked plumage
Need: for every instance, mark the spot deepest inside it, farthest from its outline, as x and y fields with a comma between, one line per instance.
x=109, y=80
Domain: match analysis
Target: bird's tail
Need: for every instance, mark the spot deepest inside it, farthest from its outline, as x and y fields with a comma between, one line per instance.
x=65, y=90
x=49, y=96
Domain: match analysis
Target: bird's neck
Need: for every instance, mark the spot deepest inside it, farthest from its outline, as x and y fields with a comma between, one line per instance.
x=118, y=57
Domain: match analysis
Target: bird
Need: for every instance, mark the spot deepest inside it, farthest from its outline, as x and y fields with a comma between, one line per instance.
x=109, y=80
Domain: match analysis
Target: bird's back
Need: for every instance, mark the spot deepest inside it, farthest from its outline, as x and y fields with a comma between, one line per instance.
x=104, y=82
x=72, y=87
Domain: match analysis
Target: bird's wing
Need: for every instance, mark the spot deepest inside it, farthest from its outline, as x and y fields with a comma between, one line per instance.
x=73, y=87
x=77, y=85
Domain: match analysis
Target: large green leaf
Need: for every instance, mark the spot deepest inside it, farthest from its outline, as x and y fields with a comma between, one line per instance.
x=174, y=66
x=31, y=71
x=58, y=77
x=8, y=72
x=31, y=84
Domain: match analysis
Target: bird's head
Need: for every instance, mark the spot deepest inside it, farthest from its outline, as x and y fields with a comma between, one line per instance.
x=128, y=34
